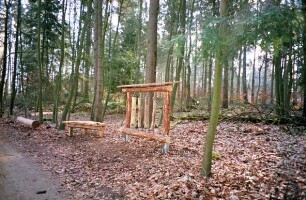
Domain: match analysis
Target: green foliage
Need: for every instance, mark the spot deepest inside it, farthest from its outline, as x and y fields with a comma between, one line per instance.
x=216, y=155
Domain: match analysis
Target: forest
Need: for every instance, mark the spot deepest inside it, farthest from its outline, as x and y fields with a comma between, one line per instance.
x=234, y=74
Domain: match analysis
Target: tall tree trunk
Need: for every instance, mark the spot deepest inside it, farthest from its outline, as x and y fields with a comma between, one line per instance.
x=73, y=86
x=39, y=61
x=279, y=85
x=272, y=84
x=253, y=78
x=204, y=78
x=188, y=66
x=99, y=55
x=239, y=77
x=7, y=4
x=209, y=92
x=138, y=34
x=181, y=47
x=210, y=137
x=13, y=88
x=225, y=86
x=259, y=84
x=244, y=80
x=195, y=59
x=61, y=64
x=152, y=48
x=232, y=82
x=304, y=56
x=264, y=89
x=87, y=64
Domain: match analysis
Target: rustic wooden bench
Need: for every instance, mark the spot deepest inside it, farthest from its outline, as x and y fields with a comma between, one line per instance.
x=85, y=125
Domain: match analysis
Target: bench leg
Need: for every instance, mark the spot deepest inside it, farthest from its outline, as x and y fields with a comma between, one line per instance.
x=85, y=131
x=165, y=148
x=101, y=131
x=126, y=137
x=70, y=131
x=166, y=145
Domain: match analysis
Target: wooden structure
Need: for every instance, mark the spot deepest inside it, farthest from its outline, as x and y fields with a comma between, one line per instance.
x=28, y=122
x=85, y=125
x=165, y=89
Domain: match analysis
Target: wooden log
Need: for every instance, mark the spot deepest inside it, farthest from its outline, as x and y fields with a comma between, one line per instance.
x=147, y=112
x=154, y=112
x=133, y=113
x=166, y=110
x=128, y=109
x=28, y=122
x=152, y=136
x=139, y=113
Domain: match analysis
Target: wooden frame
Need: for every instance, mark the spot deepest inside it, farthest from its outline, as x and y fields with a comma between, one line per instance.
x=85, y=125
x=166, y=89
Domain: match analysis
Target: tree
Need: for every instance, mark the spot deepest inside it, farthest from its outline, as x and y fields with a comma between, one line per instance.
x=210, y=137
x=244, y=79
x=61, y=64
x=13, y=88
x=181, y=46
x=98, y=58
x=75, y=75
x=7, y=4
x=152, y=48
x=304, y=55
x=39, y=63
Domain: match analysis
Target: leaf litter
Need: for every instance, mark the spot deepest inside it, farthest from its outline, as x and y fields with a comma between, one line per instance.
x=256, y=161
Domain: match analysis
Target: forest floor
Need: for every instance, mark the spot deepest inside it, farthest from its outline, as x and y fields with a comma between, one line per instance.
x=253, y=161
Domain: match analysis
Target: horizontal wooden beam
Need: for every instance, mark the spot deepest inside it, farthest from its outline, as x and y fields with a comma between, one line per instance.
x=150, y=87
x=84, y=123
x=152, y=136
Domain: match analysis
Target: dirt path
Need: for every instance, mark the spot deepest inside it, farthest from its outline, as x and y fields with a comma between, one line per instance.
x=21, y=178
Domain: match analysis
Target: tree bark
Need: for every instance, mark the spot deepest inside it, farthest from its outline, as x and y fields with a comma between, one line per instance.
x=264, y=89
x=99, y=55
x=225, y=86
x=238, y=77
x=73, y=88
x=253, y=78
x=181, y=47
x=7, y=4
x=210, y=137
x=13, y=88
x=304, y=55
x=39, y=61
x=152, y=50
x=61, y=64
x=244, y=80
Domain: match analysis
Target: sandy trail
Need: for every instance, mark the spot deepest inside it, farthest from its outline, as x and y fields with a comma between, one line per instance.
x=21, y=178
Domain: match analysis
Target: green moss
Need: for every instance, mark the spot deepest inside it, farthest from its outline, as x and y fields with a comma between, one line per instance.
x=216, y=155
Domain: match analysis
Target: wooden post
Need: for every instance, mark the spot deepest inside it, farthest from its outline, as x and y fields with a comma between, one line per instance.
x=70, y=131
x=133, y=113
x=101, y=131
x=139, y=112
x=166, y=110
x=146, y=112
x=85, y=131
x=29, y=122
x=128, y=109
x=154, y=112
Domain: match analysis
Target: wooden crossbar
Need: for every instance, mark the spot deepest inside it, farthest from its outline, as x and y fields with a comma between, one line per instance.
x=85, y=125
x=152, y=136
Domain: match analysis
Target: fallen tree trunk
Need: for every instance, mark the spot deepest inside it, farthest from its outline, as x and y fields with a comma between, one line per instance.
x=28, y=122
